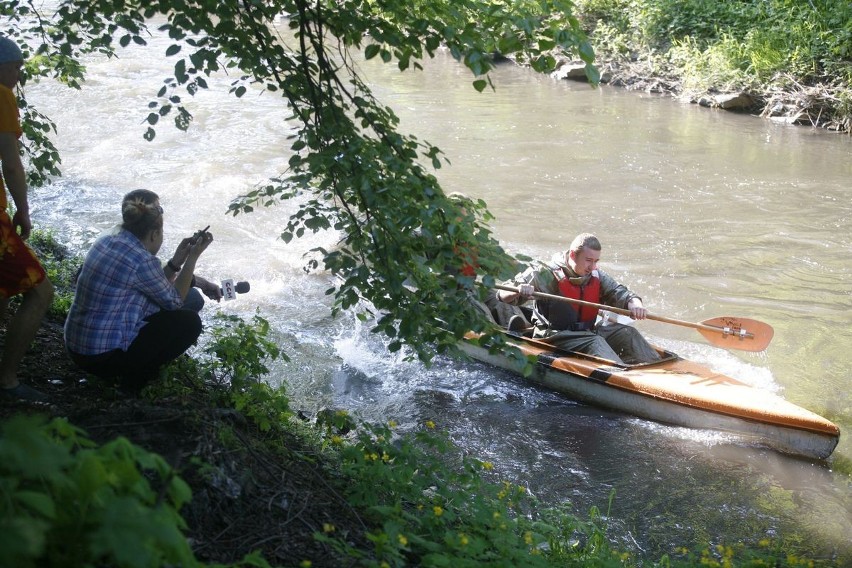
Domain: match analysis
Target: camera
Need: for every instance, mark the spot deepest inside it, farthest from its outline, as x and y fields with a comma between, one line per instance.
x=198, y=234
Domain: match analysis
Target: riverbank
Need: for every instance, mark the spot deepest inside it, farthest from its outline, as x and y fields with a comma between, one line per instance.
x=248, y=495
x=783, y=61
x=817, y=106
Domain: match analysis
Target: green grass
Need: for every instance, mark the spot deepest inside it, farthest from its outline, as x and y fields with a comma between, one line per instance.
x=757, y=45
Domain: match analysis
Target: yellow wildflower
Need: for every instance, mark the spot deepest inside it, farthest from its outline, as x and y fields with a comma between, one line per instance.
x=430, y=424
x=402, y=540
x=327, y=528
x=438, y=510
x=487, y=466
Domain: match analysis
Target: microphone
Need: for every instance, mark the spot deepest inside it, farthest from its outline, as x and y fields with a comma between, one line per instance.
x=230, y=290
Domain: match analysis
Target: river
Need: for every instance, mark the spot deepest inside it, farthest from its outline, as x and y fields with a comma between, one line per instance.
x=703, y=212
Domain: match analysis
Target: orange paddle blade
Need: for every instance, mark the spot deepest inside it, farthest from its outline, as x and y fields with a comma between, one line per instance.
x=737, y=333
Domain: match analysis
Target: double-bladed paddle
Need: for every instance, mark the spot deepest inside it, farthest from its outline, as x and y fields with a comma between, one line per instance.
x=726, y=331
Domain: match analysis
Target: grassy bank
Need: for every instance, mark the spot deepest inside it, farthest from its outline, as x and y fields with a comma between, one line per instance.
x=212, y=467
x=793, y=58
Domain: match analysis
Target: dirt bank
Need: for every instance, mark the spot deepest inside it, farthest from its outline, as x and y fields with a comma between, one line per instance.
x=816, y=106
x=254, y=499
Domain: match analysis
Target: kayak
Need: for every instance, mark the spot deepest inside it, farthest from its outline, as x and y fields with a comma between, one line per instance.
x=671, y=391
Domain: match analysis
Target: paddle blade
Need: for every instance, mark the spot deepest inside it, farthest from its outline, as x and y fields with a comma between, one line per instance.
x=737, y=333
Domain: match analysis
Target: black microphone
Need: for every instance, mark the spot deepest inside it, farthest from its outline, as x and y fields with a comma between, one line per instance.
x=230, y=290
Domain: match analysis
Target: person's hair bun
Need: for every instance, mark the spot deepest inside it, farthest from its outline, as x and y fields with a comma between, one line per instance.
x=140, y=217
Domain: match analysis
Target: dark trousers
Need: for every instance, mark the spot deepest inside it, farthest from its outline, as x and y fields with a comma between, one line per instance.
x=165, y=336
x=615, y=342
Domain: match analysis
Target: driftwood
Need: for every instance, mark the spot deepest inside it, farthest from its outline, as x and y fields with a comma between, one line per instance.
x=817, y=105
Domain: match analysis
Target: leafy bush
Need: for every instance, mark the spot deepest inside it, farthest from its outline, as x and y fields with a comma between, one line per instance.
x=66, y=502
x=61, y=267
x=722, y=67
x=229, y=370
x=436, y=507
x=808, y=40
x=776, y=49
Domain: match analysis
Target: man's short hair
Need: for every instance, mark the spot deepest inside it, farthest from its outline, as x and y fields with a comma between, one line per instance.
x=584, y=240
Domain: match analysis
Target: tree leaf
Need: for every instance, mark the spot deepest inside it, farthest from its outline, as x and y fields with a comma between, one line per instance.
x=371, y=51
x=38, y=502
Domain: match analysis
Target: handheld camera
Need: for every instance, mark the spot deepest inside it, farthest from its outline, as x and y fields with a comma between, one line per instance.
x=198, y=234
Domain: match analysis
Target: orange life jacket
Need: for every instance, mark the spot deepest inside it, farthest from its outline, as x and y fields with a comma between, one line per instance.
x=588, y=292
x=469, y=260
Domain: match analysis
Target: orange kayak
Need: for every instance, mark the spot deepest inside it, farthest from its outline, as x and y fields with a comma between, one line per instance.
x=672, y=391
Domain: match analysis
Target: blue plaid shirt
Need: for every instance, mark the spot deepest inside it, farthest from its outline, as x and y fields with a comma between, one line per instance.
x=121, y=284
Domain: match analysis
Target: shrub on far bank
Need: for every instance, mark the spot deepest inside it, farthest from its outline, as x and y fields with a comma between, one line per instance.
x=796, y=56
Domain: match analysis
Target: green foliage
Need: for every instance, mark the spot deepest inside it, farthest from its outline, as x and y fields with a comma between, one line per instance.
x=744, y=42
x=36, y=144
x=766, y=553
x=435, y=507
x=43, y=58
x=65, y=502
x=723, y=67
x=238, y=351
x=61, y=267
x=230, y=369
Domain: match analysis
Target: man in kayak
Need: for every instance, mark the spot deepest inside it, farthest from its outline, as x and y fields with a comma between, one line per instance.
x=572, y=327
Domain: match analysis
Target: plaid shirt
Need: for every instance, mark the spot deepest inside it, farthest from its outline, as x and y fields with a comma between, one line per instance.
x=121, y=284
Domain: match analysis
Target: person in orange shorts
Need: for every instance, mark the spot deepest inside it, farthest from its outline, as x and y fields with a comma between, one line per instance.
x=20, y=270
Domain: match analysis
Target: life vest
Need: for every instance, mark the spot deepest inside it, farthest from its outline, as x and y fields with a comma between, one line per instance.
x=469, y=260
x=588, y=292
